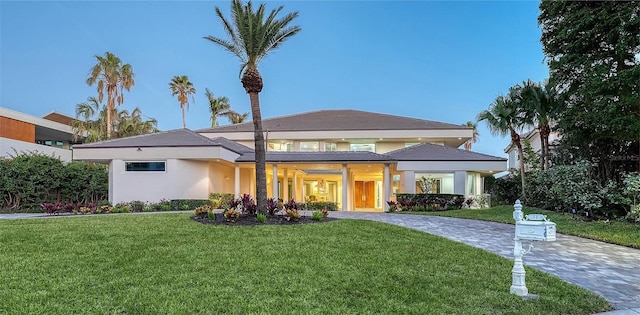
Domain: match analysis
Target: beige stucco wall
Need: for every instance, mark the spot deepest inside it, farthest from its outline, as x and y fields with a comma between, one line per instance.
x=221, y=178
x=384, y=147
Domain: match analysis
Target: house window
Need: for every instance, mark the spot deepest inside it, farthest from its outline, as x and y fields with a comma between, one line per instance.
x=145, y=166
x=410, y=144
x=330, y=146
x=370, y=147
x=280, y=146
x=471, y=184
x=309, y=146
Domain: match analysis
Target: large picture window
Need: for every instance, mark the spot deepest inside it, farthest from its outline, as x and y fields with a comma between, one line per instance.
x=145, y=166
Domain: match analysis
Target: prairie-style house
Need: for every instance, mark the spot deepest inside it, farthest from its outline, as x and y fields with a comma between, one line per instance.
x=356, y=159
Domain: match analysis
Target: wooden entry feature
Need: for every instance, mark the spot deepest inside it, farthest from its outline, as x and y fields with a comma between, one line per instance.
x=365, y=194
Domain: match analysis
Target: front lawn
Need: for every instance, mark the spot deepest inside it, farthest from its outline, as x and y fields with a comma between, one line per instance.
x=621, y=233
x=169, y=264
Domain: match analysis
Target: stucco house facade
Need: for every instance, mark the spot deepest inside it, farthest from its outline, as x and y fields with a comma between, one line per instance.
x=356, y=159
x=533, y=136
x=22, y=133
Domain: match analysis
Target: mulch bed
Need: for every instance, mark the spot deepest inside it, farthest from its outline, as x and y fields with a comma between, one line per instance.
x=251, y=220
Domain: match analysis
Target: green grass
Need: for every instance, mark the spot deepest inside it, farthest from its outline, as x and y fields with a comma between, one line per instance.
x=169, y=264
x=621, y=233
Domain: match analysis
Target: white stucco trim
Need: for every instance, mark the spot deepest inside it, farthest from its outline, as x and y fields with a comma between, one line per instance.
x=155, y=153
x=451, y=166
x=7, y=147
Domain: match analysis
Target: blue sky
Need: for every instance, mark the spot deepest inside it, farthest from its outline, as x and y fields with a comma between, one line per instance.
x=443, y=61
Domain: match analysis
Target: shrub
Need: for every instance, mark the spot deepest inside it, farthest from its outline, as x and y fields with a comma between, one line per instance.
x=423, y=202
x=316, y=215
x=325, y=213
x=506, y=190
x=262, y=218
x=51, y=208
x=202, y=211
x=190, y=203
x=292, y=215
x=272, y=206
x=28, y=180
x=291, y=205
x=248, y=204
x=231, y=215
x=137, y=206
x=319, y=205
x=105, y=208
x=223, y=199
x=211, y=215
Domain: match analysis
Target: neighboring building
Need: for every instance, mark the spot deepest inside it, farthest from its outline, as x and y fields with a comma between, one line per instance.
x=533, y=136
x=51, y=134
x=354, y=158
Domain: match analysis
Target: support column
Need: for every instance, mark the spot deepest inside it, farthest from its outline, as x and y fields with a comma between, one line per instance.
x=345, y=182
x=274, y=182
x=387, y=188
x=284, y=194
x=295, y=186
x=236, y=182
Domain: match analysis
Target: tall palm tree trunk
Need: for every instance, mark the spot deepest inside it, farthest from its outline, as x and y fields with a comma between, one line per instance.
x=545, y=131
x=515, y=137
x=110, y=107
x=184, y=121
x=252, y=83
x=260, y=154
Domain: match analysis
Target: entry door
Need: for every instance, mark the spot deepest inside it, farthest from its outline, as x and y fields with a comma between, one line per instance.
x=365, y=194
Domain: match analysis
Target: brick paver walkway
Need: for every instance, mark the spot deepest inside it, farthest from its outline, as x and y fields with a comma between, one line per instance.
x=609, y=270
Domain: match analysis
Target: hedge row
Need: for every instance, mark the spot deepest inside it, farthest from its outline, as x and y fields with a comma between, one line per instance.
x=30, y=179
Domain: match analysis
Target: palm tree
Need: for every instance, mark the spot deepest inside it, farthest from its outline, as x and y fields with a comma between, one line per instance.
x=181, y=86
x=539, y=101
x=252, y=36
x=503, y=118
x=114, y=78
x=85, y=126
x=237, y=118
x=218, y=107
x=133, y=124
x=474, y=138
x=91, y=123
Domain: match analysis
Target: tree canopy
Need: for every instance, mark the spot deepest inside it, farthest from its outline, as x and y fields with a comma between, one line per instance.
x=593, y=53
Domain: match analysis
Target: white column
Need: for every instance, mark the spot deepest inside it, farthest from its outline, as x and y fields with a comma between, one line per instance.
x=284, y=194
x=274, y=182
x=236, y=181
x=295, y=186
x=345, y=182
x=387, y=188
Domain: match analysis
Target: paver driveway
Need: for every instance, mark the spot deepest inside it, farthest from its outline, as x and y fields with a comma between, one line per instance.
x=610, y=270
